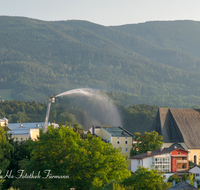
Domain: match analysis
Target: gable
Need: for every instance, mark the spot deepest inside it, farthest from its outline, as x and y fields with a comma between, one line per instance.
x=179, y=125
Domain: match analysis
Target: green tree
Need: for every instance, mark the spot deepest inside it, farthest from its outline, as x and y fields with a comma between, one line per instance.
x=175, y=177
x=147, y=142
x=145, y=178
x=88, y=162
x=5, y=153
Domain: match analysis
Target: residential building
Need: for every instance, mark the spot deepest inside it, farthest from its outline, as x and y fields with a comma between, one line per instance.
x=24, y=131
x=3, y=122
x=167, y=160
x=196, y=171
x=180, y=126
x=117, y=136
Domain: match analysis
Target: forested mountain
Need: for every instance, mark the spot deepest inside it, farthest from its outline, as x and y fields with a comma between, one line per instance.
x=40, y=58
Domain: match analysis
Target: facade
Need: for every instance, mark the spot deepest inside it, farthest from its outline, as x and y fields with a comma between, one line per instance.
x=117, y=136
x=167, y=160
x=180, y=126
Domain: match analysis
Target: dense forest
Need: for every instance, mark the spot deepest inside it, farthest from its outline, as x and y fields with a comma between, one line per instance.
x=135, y=118
x=155, y=63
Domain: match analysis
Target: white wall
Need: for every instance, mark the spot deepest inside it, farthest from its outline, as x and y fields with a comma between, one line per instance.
x=135, y=164
x=195, y=170
x=147, y=162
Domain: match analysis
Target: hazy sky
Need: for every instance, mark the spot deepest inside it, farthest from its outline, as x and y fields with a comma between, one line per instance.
x=104, y=12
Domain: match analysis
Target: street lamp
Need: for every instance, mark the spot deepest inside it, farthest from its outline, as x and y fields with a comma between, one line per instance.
x=51, y=100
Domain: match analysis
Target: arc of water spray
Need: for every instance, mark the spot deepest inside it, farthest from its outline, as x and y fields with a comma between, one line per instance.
x=104, y=99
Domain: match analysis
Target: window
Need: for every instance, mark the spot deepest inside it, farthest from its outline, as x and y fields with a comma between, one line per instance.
x=122, y=149
x=126, y=141
x=197, y=175
x=195, y=159
x=118, y=141
x=126, y=149
x=162, y=164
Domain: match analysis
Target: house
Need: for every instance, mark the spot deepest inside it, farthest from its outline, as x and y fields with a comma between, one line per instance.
x=180, y=126
x=196, y=171
x=24, y=131
x=117, y=136
x=167, y=160
x=3, y=122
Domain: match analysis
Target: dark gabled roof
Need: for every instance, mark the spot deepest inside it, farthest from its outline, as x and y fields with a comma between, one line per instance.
x=177, y=145
x=179, y=125
x=183, y=186
x=155, y=153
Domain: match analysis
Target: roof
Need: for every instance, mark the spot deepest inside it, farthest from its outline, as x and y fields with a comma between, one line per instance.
x=118, y=131
x=179, y=125
x=23, y=128
x=183, y=186
x=156, y=152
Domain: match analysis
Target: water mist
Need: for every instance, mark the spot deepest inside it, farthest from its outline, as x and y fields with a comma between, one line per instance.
x=104, y=111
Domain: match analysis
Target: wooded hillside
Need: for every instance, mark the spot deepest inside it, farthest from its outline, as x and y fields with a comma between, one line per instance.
x=40, y=58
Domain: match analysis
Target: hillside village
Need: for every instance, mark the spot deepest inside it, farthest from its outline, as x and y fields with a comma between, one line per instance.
x=178, y=156
x=135, y=125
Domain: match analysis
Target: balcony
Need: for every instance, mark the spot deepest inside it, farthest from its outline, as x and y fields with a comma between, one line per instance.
x=181, y=161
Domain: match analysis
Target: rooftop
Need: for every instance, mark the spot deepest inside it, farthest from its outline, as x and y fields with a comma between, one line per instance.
x=156, y=152
x=118, y=132
x=23, y=128
x=179, y=125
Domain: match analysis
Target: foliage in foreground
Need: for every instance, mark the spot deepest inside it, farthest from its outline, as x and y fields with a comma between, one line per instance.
x=90, y=163
x=144, y=179
x=5, y=153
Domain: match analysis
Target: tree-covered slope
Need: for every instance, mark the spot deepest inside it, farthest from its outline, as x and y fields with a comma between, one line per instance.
x=178, y=35
x=39, y=58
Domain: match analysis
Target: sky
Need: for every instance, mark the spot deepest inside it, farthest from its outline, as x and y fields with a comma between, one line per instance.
x=103, y=12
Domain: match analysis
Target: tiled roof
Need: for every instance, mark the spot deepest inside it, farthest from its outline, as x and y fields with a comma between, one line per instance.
x=179, y=125
x=155, y=153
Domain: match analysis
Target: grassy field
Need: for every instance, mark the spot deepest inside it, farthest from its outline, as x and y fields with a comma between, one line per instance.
x=5, y=94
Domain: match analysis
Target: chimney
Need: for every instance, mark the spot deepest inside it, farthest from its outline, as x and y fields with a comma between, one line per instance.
x=93, y=129
x=37, y=125
x=21, y=125
x=148, y=153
